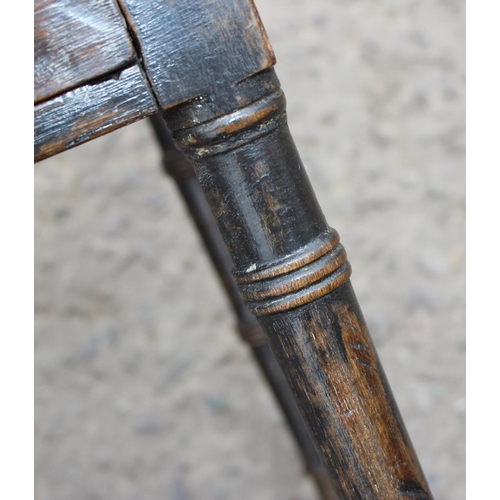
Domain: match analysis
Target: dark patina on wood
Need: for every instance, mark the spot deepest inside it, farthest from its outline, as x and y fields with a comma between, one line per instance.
x=207, y=64
x=187, y=49
x=293, y=273
x=181, y=169
x=90, y=111
x=194, y=48
x=76, y=42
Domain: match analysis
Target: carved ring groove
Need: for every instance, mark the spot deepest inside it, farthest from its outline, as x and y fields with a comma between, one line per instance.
x=324, y=243
x=296, y=280
x=234, y=129
x=318, y=269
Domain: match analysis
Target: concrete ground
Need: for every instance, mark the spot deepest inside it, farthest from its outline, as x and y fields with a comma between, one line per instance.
x=142, y=389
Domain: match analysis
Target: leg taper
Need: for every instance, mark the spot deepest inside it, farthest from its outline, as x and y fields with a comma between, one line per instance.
x=293, y=274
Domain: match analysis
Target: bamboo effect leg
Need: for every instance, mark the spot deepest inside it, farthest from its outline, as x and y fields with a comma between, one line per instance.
x=293, y=274
x=181, y=169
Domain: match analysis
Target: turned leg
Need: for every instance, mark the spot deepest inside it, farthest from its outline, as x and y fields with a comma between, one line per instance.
x=293, y=274
x=181, y=169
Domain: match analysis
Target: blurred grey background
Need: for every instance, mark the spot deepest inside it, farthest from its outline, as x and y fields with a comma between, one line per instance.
x=142, y=388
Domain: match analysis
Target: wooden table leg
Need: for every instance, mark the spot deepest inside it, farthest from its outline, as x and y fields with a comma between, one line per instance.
x=181, y=169
x=293, y=274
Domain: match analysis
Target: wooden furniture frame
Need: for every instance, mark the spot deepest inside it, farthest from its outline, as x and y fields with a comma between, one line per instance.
x=207, y=67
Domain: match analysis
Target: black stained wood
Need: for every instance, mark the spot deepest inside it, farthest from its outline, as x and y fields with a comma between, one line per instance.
x=208, y=63
x=188, y=49
x=76, y=42
x=328, y=357
x=176, y=164
x=87, y=112
x=294, y=275
x=195, y=48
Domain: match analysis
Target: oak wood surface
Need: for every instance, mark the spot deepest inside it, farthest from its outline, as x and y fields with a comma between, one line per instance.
x=76, y=42
x=87, y=112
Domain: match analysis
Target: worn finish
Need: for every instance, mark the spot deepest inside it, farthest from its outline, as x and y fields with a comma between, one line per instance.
x=293, y=272
x=329, y=359
x=176, y=165
x=208, y=64
x=218, y=44
x=90, y=111
x=194, y=49
x=76, y=42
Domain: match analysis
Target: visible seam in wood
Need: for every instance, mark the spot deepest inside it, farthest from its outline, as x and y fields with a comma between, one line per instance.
x=137, y=47
x=114, y=74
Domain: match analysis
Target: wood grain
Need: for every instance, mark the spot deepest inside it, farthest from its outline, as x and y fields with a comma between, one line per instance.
x=181, y=169
x=330, y=362
x=188, y=49
x=208, y=63
x=90, y=111
x=293, y=273
x=76, y=42
x=196, y=48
